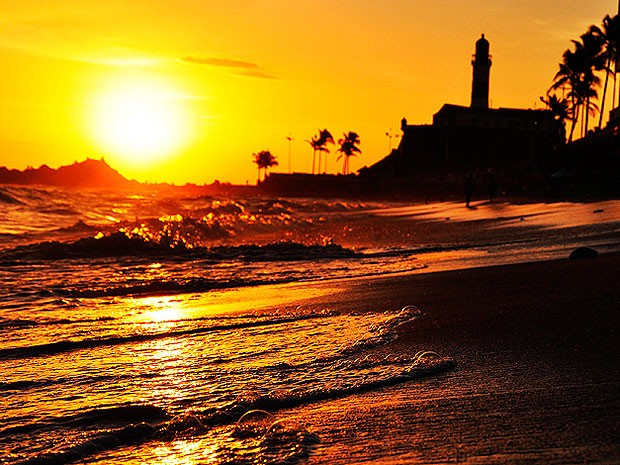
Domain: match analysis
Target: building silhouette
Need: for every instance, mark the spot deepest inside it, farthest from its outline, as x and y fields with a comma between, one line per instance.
x=506, y=145
x=481, y=63
x=474, y=138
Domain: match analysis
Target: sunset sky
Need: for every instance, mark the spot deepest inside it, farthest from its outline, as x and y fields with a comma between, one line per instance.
x=186, y=91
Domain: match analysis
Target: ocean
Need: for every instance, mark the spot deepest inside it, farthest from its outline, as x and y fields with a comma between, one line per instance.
x=162, y=327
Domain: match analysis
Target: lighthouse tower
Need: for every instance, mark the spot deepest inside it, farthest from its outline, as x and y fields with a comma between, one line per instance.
x=481, y=62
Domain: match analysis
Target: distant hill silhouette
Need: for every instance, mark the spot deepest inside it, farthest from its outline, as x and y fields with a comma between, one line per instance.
x=88, y=173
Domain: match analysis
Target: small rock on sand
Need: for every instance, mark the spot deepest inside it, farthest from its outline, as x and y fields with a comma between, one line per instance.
x=583, y=252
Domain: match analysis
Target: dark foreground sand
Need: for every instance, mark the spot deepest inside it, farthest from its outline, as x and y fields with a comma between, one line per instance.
x=537, y=348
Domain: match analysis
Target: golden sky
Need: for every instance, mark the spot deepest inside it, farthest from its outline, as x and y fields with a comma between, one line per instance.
x=186, y=90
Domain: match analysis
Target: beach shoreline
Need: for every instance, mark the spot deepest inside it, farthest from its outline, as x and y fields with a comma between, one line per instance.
x=537, y=377
x=529, y=342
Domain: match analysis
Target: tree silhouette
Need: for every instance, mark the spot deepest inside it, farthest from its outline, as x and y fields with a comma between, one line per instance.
x=325, y=137
x=314, y=143
x=264, y=160
x=348, y=148
x=576, y=76
x=559, y=107
x=318, y=144
x=609, y=36
x=560, y=110
x=592, y=47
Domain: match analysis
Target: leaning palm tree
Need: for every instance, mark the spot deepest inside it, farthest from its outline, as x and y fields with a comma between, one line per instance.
x=264, y=160
x=609, y=35
x=325, y=138
x=318, y=144
x=348, y=148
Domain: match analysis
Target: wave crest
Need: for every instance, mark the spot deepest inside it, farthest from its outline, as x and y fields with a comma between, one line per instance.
x=132, y=244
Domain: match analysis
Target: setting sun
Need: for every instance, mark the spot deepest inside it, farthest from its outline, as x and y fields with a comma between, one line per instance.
x=140, y=121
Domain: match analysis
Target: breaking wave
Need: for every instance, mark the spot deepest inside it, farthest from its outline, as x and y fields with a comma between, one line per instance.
x=121, y=244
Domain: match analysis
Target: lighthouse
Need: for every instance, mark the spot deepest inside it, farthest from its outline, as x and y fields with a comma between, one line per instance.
x=481, y=63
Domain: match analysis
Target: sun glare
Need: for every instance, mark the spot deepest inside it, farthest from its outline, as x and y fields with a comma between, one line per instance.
x=140, y=121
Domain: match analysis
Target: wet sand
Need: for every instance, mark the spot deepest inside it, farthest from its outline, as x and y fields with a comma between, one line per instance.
x=537, y=347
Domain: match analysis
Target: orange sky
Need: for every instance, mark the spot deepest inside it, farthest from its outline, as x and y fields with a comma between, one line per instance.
x=237, y=76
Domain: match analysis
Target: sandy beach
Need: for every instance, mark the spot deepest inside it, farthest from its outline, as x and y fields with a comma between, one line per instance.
x=123, y=361
x=537, y=377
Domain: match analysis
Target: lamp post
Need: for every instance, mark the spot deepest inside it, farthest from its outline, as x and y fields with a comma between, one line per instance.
x=289, y=139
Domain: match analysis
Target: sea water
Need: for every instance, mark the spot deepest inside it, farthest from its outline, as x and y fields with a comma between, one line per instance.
x=124, y=338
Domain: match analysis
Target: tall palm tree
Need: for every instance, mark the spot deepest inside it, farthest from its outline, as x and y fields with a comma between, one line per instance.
x=609, y=35
x=314, y=143
x=264, y=160
x=576, y=76
x=325, y=138
x=592, y=47
x=565, y=79
x=318, y=144
x=587, y=95
x=348, y=148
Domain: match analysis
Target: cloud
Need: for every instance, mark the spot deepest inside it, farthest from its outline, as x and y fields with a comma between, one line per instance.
x=258, y=74
x=243, y=68
x=221, y=62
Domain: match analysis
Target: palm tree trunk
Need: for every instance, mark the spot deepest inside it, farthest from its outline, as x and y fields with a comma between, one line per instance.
x=613, y=97
x=587, y=116
x=572, y=130
x=583, y=119
x=607, y=71
x=313, y=157
x=573, y=120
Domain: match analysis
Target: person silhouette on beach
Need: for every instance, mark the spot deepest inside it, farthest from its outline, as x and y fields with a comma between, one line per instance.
x=470, y=187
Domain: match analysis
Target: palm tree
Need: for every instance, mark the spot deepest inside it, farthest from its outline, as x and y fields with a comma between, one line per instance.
x=314, y=143
x=558, y=106
x=566, y=78
x=576, y=75
x=592, y=47
x=264, y=160
x=326, y=138
x=587, y=95
x=609, y=35
x=348, y=148
x=318, y=144
x=560, y=110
